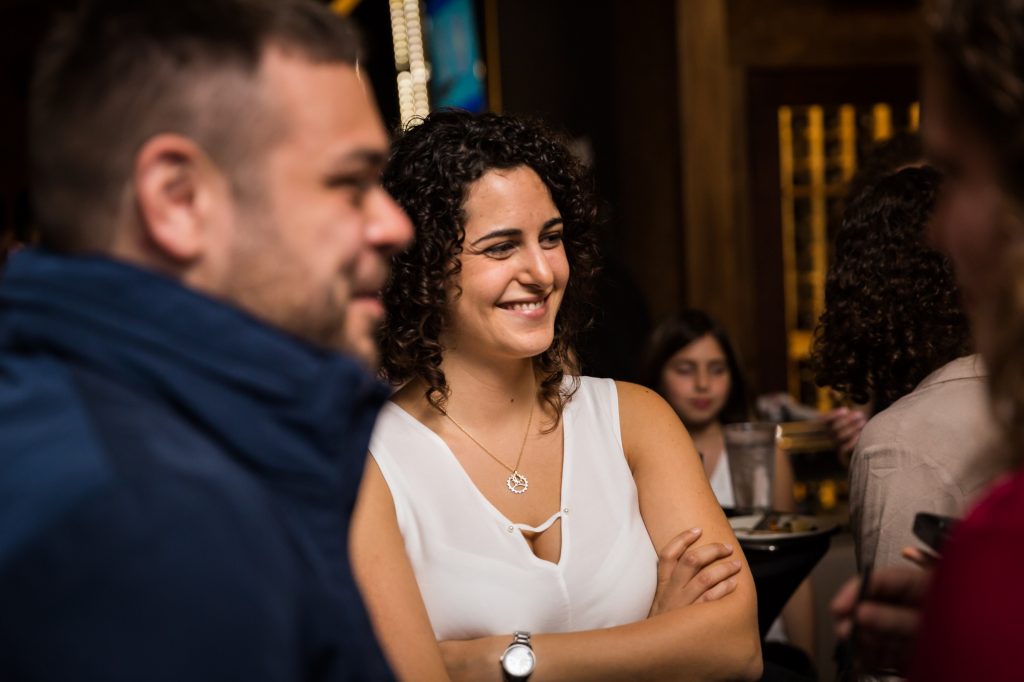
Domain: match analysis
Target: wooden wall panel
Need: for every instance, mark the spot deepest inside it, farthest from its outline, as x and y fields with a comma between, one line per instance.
x=787, y=33
x=716, y=244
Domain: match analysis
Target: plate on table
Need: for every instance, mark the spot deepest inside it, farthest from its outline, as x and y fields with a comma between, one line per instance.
x=779, y=527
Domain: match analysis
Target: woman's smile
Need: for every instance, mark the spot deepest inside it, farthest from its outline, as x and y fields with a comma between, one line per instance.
x=531, y=309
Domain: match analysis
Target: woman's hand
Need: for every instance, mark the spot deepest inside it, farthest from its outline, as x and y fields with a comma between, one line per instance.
x=687, y=576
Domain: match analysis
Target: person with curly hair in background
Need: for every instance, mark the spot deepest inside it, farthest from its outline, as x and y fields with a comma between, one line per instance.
x=893, y=333
x=516, y=519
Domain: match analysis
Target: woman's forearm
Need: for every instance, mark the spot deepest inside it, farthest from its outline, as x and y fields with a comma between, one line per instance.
x=708, y=641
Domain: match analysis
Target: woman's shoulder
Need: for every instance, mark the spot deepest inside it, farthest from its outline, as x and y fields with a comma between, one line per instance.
x=398, y=425
x=642, y=414
x=629, y=400
x=634, y=397
x=624, y=390
x=622, y=394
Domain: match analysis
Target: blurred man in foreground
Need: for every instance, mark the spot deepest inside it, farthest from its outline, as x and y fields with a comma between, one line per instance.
x=180, y=442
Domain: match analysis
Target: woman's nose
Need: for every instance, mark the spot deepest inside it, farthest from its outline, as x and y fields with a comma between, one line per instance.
x=700, y=379
x=536, y=268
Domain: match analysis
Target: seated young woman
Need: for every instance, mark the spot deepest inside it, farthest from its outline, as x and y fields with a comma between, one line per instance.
x=516, y=519
x=691, y=363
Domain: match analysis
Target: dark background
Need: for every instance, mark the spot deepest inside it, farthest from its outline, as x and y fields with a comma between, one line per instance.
x=673, y=101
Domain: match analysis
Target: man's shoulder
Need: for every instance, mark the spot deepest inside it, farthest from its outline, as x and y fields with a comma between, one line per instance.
x=938, y=416
x=957, y=390
x=73, y=443
x=50, y=458
x=97, y=549
x=881, y=430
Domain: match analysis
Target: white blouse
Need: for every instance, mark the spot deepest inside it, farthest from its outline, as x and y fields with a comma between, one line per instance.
x=721, y=481
x=477, y=573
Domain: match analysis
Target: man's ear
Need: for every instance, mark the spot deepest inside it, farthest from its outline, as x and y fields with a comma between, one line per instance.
x=175, y=183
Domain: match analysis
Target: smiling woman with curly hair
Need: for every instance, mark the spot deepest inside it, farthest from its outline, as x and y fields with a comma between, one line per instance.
x=431, y=173
x=893, y=332
x=509, y=502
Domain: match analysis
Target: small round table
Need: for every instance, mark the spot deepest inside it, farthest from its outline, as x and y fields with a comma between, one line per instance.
x=779, y=562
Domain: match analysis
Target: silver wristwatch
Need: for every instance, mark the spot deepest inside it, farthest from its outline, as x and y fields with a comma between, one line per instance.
x=518, y=661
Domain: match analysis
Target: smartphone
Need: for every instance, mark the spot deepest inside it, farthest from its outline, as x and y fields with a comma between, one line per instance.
x=933, y=529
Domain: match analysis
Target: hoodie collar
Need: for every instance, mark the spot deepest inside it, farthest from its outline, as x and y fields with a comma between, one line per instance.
x=282, y=405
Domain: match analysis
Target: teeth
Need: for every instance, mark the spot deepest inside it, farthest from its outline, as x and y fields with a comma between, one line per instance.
x=526, y=306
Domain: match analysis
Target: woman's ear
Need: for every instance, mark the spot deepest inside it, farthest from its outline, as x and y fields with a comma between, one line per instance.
x=173, y=180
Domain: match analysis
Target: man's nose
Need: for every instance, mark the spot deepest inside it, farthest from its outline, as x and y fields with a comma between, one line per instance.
x=389, y=230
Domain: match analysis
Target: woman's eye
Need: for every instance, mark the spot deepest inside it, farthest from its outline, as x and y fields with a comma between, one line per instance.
x=551, y=239
x=501, y=250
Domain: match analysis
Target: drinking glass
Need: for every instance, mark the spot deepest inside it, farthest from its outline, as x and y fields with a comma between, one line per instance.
x=750, y=448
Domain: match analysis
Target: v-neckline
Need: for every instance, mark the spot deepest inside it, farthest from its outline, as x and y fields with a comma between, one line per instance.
x=560, y=513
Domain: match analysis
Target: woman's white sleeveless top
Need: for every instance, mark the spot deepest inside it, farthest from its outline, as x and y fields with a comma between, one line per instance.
x=476, y=572
x=721, y=481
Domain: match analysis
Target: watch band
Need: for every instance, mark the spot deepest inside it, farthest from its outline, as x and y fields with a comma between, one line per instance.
x=510, y=661
x=520, y=637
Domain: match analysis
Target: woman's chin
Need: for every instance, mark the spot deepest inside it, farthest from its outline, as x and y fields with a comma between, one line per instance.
x=697, y=422
x=529, y=353
x=526, y=348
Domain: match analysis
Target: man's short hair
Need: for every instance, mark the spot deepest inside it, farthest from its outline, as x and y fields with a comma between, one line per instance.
x=117, y=72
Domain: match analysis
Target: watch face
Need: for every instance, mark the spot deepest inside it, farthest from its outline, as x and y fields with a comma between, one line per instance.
x=518, y=660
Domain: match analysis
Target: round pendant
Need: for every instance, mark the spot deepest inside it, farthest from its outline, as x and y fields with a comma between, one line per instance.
x=517, y=483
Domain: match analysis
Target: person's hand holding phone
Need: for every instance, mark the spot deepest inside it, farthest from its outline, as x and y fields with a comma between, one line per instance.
x=885, y=616
x=932, y=530
x=922, y=558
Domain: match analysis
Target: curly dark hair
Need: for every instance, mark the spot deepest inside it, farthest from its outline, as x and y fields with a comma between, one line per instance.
x=432, y=165
x=677, y=332
x=892, y=308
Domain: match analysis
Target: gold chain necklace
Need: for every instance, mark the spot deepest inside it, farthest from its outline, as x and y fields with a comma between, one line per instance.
x=516, y=481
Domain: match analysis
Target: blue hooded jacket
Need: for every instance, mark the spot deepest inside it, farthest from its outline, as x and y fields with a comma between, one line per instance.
x=176, y=481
